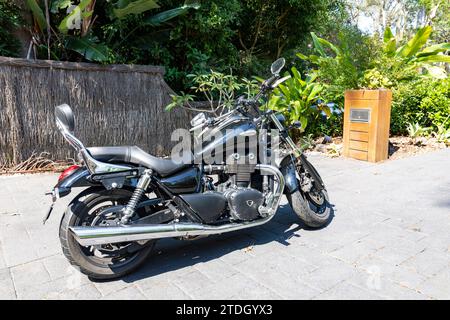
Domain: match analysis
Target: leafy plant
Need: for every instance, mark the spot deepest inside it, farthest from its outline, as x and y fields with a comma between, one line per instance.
x=422, y=100
x=306, y=141
x=88, y=48
x=217, y=88
x=340, y=66
x=123, y=8
x=38, y=15
x=9, y=21
x=300, y=99
x=401, y=63
x=415, y=130
x=409, y=69
x=76, y=27
x=442, y=134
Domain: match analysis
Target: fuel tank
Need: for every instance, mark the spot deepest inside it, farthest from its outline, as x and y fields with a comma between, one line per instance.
x=233, y=134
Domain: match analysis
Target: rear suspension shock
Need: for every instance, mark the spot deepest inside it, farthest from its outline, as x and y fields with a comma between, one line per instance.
x=141, y=186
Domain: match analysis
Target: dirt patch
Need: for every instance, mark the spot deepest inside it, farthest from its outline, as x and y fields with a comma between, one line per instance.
x=399, y=147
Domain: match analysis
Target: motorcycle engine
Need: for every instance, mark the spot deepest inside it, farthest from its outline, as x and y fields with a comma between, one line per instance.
x=244, y=203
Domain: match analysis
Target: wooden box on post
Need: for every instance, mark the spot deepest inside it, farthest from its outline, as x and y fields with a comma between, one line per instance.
x=367, y=117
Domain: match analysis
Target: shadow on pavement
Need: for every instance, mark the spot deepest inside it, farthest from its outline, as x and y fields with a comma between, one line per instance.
x=171, y=254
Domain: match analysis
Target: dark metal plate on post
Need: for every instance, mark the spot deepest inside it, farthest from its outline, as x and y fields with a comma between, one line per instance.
x=360, y=115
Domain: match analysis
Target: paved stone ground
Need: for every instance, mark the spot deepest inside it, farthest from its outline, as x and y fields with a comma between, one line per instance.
x=389, y=239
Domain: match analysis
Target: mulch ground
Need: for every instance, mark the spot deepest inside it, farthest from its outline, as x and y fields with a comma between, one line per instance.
x=399, y=147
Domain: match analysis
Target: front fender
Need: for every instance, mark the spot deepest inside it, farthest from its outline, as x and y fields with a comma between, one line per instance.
x=287, y=168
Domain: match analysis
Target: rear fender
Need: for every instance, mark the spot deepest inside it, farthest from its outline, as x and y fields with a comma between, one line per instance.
x=80, y=178
x=83, y=178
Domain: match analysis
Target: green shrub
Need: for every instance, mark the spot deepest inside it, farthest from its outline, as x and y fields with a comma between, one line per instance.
x=442, y=134
x=420, y=88
x=338, y=68
x=10, y=20
x=300, y=99
x=397, y=64
x=415, y=130
x=217, y=89
x=422, y=101
x=332, y=126
x=341, y=66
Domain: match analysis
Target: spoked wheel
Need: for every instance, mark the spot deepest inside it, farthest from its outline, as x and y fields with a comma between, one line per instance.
x=311, y=205
x=97, y=208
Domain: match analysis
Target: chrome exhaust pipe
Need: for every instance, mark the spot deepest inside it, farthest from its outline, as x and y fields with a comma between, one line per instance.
x=89, y=236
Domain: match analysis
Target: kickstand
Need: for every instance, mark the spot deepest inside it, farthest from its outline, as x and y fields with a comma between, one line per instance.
x=48, y=213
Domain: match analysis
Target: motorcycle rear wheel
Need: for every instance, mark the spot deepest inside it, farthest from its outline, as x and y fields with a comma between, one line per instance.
x=106, y=261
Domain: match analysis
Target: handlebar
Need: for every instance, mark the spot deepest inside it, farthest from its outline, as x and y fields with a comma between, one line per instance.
x=242, y=104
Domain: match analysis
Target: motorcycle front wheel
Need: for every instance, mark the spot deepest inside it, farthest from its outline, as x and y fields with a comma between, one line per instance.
x=104, y=261
x=313, y=208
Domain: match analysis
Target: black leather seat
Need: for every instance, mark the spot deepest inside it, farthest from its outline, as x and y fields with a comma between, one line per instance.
x=137, y=156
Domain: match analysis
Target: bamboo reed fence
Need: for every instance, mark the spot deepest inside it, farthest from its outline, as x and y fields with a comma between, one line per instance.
x=113, y=105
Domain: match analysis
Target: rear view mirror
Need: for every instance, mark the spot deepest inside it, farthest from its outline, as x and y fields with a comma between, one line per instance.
x=277, y=66
x=64, y=117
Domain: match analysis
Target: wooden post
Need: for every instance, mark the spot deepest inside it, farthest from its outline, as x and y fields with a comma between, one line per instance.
x=367, y=117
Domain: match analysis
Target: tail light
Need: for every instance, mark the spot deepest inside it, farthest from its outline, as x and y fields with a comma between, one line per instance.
x=68, y=172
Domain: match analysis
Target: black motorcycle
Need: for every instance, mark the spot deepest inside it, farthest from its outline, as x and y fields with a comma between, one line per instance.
x=133, y=198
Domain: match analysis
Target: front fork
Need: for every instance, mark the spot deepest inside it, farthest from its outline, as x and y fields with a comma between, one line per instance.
x=293, y=177
x=298, y=154
x=309, y=168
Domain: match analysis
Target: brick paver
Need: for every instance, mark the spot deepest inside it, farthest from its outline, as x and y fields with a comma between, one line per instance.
x=389, y=239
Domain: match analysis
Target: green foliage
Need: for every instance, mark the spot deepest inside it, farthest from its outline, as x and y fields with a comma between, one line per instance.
x=38, y=14
x=415, y=130
x=9, y=21
x=74, y=18
x=340, y=66
x=307, y=141
x=88, y=48
x=400, y=63
x=238, y=36
x=124, y=8
x=299, y=100
x=442, y=134
x=160, y=18
x=332, y=126
x=420, y=86
x=100, y=31
x=441, y=30
x=422, y=101
x=375, y=79
x=217, y=88
x=57, y=5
